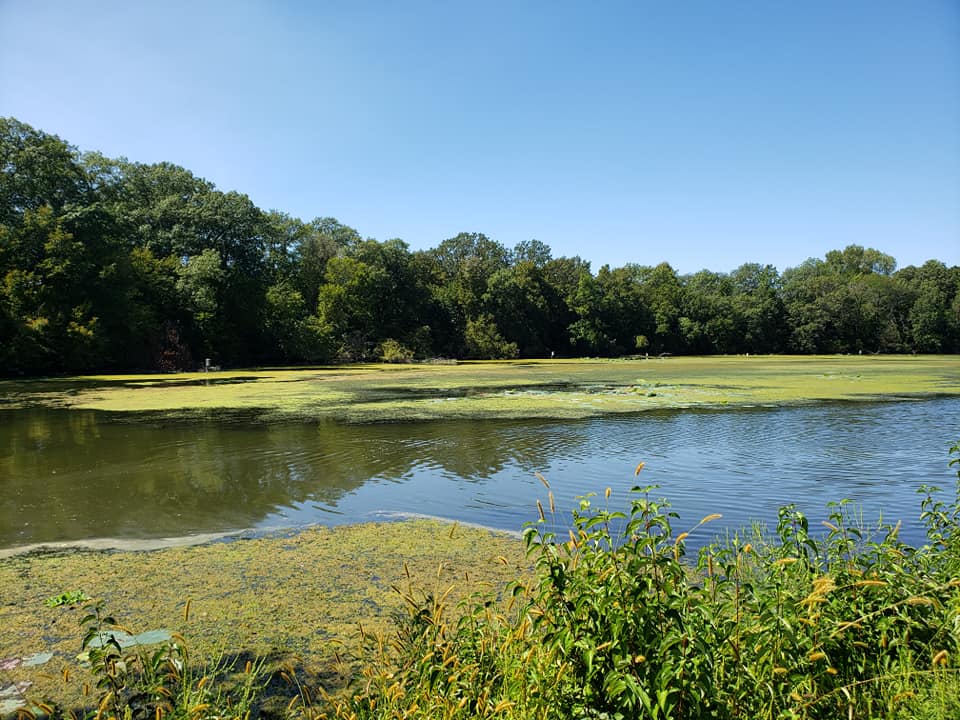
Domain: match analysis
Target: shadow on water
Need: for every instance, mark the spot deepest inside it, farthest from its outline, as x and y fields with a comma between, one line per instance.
x=69, y=475
x=36, y=392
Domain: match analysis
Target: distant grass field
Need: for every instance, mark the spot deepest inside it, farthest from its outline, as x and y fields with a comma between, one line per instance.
x=509, y=389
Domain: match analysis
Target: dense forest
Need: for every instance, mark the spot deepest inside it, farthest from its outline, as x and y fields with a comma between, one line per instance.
x=108, y=264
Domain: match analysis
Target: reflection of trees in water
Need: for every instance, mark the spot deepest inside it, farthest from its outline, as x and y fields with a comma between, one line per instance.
x=472, y=450
x=70, y=475
x=76, y=474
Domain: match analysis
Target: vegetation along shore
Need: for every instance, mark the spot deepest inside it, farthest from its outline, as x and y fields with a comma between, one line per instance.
x=610, y=619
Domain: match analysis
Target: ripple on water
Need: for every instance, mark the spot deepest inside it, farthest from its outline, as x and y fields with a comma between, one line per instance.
x=179, y=479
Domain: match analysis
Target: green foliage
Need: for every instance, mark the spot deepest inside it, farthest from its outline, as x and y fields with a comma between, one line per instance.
x=71, y=597
x=393, y=352
x=111, y=265
x=299, y=337
x=615, y=612
x=156, y=681
x=485, y=342
x=849, y=622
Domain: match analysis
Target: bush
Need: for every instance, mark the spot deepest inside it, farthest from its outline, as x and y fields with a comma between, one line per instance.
x=393, y=352
x=617, y=624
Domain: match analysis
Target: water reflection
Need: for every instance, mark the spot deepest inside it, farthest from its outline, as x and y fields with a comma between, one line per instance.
x=80, y=474
x=68, y=475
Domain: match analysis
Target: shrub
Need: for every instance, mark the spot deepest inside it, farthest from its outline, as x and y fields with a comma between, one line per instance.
x=393, y=352
x=849, y=622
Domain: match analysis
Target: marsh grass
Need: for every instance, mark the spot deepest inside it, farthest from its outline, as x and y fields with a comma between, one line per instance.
x=794, y=623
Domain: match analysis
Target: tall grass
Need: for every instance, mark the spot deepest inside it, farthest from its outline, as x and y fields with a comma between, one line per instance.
x=844, y=622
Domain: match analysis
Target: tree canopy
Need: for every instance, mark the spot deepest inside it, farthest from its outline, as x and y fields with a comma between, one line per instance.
x=107, y=264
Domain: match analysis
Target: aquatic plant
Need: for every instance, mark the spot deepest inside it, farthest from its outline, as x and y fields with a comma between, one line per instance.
x=505, y=389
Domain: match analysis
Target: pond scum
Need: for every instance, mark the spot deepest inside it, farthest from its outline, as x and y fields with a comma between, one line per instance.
x=560, y=389
x=612, y=621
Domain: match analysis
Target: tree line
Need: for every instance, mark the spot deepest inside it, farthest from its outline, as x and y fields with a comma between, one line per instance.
x=107, y=264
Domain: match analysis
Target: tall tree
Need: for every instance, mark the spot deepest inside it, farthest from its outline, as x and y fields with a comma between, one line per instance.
x=757, y=304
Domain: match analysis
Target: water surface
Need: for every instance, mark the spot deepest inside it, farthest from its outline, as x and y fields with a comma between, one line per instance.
x=68, y=475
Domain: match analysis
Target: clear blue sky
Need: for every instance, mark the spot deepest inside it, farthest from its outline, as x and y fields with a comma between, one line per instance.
x=706, y=134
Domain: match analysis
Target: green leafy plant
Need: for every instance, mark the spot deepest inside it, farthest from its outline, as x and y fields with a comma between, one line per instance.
x=842, y=620
x=392, y=351
x=134, y=681
x=71, y=597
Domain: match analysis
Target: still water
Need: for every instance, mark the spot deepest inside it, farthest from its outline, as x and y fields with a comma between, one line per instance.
x=73, y=475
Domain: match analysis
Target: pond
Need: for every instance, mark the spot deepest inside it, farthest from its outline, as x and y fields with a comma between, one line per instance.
x=70, y=475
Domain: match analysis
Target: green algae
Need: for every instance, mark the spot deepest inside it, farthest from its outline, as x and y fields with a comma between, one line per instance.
x=296, y=598
x=557, y=389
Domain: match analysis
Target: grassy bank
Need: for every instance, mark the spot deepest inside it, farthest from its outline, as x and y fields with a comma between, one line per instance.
x=518, y=389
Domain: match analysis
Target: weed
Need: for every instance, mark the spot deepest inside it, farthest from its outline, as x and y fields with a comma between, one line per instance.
x=136, y=682
x=849, y=622
x=71, y=597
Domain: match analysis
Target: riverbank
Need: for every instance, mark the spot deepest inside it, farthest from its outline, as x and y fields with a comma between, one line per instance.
x=556, y=389
x=295, y=599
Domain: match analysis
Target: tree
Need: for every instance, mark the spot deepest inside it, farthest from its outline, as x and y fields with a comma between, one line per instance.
x=517, y=297
x=350, y=303
x=314, y=245
x=757, y=304
x=843, y=304
x=660, y=292
x=856, y=260
x=708, y=323
x=562, y=277
x=484, y=341
x=532, y=251
x=37, y=170
x=590, y=333
x=460, y=268
x=200, y=285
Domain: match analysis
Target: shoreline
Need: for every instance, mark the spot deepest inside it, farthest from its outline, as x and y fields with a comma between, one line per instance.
x=292, y=598
x=141, y=545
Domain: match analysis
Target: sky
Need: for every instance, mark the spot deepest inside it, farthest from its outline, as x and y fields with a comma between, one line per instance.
x=704, y=134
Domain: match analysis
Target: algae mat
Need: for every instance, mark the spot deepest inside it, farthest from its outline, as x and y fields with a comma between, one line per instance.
x=514, y=389
x=297, y=600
